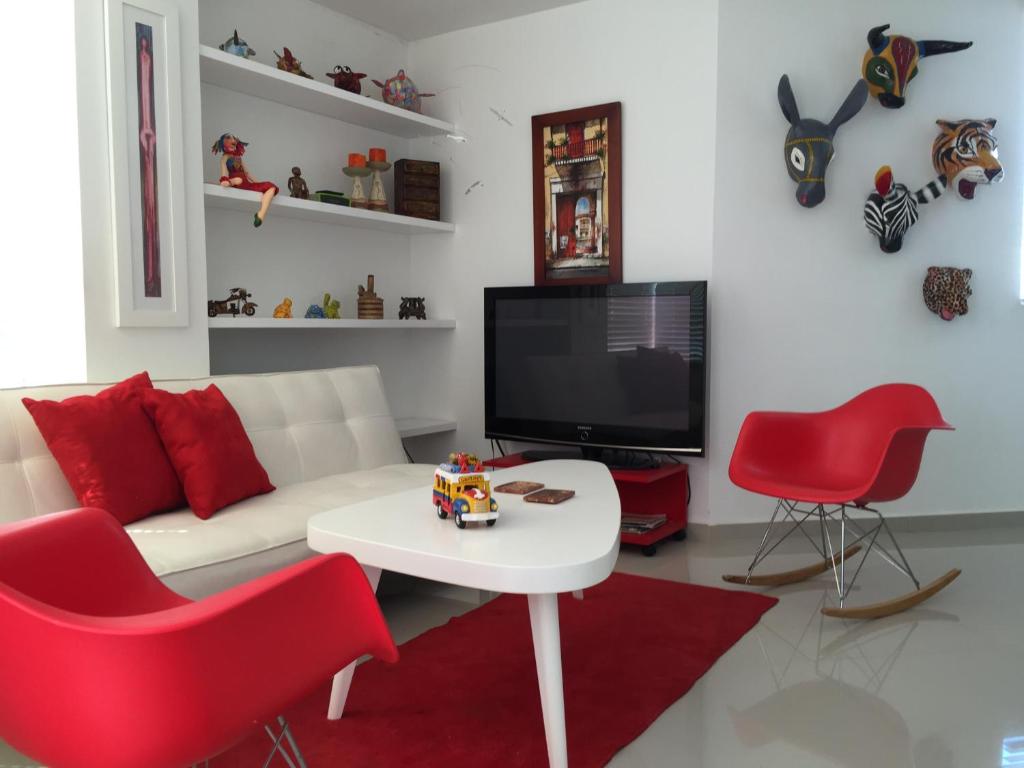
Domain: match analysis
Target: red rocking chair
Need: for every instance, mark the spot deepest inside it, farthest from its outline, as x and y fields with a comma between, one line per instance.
x=823, y=466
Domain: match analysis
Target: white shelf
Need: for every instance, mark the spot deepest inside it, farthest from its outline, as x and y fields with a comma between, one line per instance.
x=300, y=323
x=415, y=426
x=237, y=74
x=247, y=201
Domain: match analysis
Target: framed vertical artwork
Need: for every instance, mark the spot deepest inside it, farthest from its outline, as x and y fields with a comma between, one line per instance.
x=577, y=196
x=146, y=163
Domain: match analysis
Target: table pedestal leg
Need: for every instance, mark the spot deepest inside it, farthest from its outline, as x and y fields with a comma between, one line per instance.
x=547, y=649
x=343, y=680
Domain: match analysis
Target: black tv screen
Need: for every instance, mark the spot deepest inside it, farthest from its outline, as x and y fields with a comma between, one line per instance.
x=609, y=366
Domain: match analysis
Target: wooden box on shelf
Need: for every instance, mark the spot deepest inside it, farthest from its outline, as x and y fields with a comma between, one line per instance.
x=418, y=189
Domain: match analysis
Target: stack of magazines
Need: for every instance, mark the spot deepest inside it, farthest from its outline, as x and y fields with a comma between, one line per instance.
x=642, y=523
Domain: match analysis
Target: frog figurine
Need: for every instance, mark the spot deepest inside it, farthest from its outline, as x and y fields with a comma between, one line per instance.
x=332, y=308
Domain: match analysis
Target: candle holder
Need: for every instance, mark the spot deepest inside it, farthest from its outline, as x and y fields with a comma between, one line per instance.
x=378, y=200
x=357, y=174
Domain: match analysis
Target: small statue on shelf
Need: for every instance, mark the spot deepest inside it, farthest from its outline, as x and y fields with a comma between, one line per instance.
x=233, y=173
x=370, y=305
x=297, y=185
x=237, y=46
x=315, y=312
x=412, y=306
x=401, y=91
x=283, y=311
x=346, y=79
x=332, y=308
x=288, y=63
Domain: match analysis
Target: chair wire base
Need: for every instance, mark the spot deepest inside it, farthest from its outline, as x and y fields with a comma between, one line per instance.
x=832, y=514
x=294, y=760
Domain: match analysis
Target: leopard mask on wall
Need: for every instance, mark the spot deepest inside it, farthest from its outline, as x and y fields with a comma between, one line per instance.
x=946, y=290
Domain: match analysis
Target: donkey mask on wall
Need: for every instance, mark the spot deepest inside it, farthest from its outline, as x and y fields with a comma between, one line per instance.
x=808, y=148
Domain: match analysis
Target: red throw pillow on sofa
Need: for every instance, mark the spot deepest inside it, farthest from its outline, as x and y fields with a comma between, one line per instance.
x=109, y=451
x=208, y=447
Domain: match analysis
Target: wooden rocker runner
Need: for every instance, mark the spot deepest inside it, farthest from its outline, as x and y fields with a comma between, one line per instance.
x=825, y=469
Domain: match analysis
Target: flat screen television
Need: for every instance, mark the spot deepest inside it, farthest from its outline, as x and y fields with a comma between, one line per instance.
x=598, y=366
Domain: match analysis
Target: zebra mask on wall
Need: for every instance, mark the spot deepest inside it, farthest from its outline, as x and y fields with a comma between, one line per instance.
x=892, y=208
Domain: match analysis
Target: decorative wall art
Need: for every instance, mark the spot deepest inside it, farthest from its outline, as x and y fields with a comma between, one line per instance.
x=967, y=154
x=146, y=148
x=577, y=196
x=891, y=209
x=946, y=290
x=808, y=148
x=890, y=63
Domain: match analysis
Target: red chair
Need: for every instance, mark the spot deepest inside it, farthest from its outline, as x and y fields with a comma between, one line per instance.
x=101, y=665
x=822, y=466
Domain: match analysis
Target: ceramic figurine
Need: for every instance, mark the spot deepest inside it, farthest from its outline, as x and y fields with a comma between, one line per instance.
x=236, y=302
x=412, y=306
x=346, y=79
x=297, y=185
x=378, y=162
x=401, y=91
x=808, y=147
x=946, y=290
x=288, y=63
x=462, y=489
x=891, y=209
x=890, y=63
x=237, y=46
x=357, y=171
x=370, y=306
x=315, y=312
x=284, y=309
x=332, y=308
x=233, y=173
x=967, y=154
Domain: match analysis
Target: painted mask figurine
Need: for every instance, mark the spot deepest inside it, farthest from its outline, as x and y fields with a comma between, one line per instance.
x=237, y=46
x=967, y=154
x=808, y=148
x=288, y=63
x=346, y=79
x=401, y=91
x=891, y=63
x=892, y=208
x=946, y=290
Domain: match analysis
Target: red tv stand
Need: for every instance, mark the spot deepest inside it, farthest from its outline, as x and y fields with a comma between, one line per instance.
x=641, y=492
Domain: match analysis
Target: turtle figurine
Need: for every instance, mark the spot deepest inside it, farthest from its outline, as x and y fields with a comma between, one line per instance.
x=401, y=91
x=237, y=46
x=346, y=79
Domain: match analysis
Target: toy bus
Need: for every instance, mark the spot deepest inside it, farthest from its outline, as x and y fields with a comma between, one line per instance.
x=462, y=489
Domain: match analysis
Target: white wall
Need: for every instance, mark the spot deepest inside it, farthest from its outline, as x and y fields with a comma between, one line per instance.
x=807, y=310
x=114, y=352
x=582, y=54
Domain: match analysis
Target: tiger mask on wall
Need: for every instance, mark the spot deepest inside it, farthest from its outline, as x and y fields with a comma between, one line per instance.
x=967, y=154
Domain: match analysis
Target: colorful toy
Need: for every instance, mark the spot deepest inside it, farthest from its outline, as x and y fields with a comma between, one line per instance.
x=892, y=209
x=378, y=162
x=462, y=489
x=891, y=63
x=297, y=185
x=370, y=306
x=401, y=91
x=315, y=312
x=412, y=306
x=236, y=302
x=233, y=173
x=346, y=79
x=966, y=153
x=237, y=46
x=808, y=148
x=332, y=308
x=946, y=290
x=284, y=309
x=288, y=63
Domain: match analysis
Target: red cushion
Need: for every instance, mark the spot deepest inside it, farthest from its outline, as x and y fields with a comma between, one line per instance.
x=109, y=451
x=208, y=446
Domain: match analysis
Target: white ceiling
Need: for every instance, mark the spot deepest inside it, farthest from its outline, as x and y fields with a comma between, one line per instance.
x=416, y=19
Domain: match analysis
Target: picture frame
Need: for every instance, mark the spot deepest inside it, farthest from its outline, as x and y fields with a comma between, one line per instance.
x=146, y=163
x=577, y=196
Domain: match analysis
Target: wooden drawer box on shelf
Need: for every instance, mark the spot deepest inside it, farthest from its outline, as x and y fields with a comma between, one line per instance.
x=418, y=189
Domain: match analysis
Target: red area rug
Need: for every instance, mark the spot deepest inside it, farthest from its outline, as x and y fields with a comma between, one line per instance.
x=465, y=694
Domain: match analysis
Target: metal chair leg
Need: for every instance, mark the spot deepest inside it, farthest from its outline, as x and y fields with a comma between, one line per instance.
x=278, y=748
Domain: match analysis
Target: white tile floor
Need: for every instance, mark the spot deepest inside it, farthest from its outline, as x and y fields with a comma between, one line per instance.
x=940, y=686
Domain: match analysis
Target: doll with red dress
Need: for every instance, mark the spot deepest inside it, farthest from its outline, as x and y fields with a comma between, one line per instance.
x=233, y=173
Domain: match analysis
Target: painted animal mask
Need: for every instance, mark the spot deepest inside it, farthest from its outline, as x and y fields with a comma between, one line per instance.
x=892, y=208
x=891, y=63
x=808, y=148
x=967, y=154
x=946, y=290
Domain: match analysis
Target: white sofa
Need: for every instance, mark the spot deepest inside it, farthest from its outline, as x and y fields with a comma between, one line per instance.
x=326, y=438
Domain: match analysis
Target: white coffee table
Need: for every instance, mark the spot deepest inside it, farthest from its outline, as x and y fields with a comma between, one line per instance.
x=534, y=549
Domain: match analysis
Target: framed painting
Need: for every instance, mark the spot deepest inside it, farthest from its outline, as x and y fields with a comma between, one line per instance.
x=146, y=163
x=577, y=196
